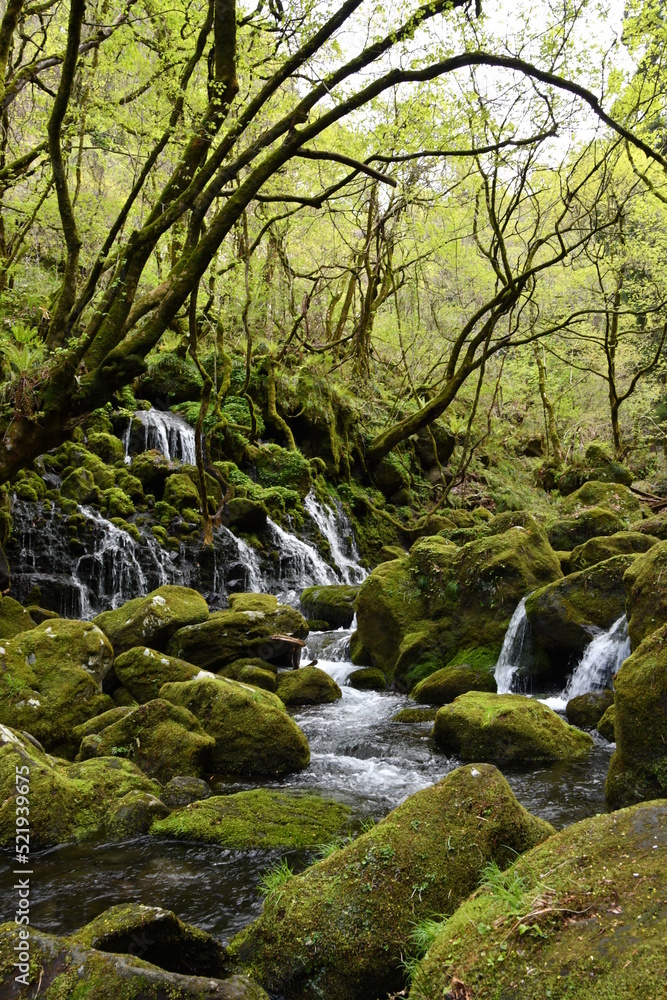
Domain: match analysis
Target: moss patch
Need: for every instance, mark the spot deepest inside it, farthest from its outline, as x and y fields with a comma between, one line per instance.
x=153, y=619
x=307, y=686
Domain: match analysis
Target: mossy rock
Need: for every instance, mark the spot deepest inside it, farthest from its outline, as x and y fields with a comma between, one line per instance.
x=143, y=671
x=253, y=733
x=60, y=967
x=40, y=615
x=106, y=446
x=367, y=679
x=655, y=526
x=134, y=815
x=51, y=681
x=80, y=486
x=234, y=669
x=152, y=620
x=565, y=614
x=333, y=604
x=14, y=618
x=258, y=677
x=184, y=789
x=557, y=932
x=181, y=492
x=389, y=552
x=262, y=818
x=122, y=697
x=638, y=769
x=253, y=602
x=116, y=503
x=231, y=635
x=597, y=550
x=276, y=466
x=480, y=726
x=596, y=467
x=67, y=803
x=307, y=686
x=605, y=725
x=152, y=468
x=72, y=456
x=646, y=587
x=339, y=930
x=100, y=722
x=169, y=380
x=413, y=715
x=242, y=514
x=567, y=533
x=586, y=710
x=130, y=485
x=160, y=738
x=448, y=683
x=613, y=496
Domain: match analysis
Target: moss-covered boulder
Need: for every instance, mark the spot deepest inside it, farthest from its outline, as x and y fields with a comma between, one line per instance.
x=638, y=769
x=655, y=526
x=646, y=587
x=417, y=613
x=253, y=733
x=605, y=726
x=152, y=468
x=263, y=818
x=169, y=380
x=586, y=710
x=565, y=615
x=184, y=789
x=258, y=677
x=143, y=671
x=578, y=916
x=480, y=726
x=333, y=604
x=448, y=683
x=307, y=686
x=367, y=679
x=106, y=446
x=597, y=466
x=51, y=681
x=339, y=930
x=597, y=550
x=567, y=533
x=152, y=620
x=236, y=668
x=13, y=618
x=100, y=722
x=67, y=803
x=613, y=496
x=242, y=514
x=231, y=635
x=161, y=738
x=275, y=466
x=181, y=492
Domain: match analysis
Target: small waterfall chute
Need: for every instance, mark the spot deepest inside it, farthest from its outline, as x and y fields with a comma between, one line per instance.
x=602, y=658
x=516, y=649
x=167, y=432
x=333, y=524
x=300, y=564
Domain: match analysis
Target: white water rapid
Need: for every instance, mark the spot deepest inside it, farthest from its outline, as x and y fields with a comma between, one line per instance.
x=601, y=659
x=333, y=525
x=515, y=651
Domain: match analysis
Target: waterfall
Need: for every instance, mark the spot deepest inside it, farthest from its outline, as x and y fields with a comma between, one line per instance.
x=168, y=433
x=601, y=660
x=300, y=564
x=516, y=649
x=336, y=528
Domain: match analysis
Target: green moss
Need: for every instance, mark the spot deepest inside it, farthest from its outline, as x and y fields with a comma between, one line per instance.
x=413, y=715
x=585, y=920
x=605, y=725
x=181, y=492
x=333, y=604
x=106, y=446
x=276, y=466
x=481, y=726
x=448, y=683
x=116, y=503
x=598, y=549
x=170, y=379
x=130, y=485
x=151, y=620
x=79, y=486
x=143, y=671
x=267, y=603
x=253, y=733
x=258, y=677
x=307, y=686
x=260, y=818
x=368, y=679
x=646, y=587
x=569, y=532
x=339, y=930
x=100, y=722
x=13, y=618
x=586, y=710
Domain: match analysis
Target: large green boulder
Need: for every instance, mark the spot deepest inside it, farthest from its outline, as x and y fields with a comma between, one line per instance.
x=235, y=634
x=606, y=726
x=613, y=496
x=480, y=726
x=181, y=492
x=586, y=710
x=106, y=446
x=638, y=769
x=13, y=618
x=340, y=929
x=417, y=613
x=162, y=739
x=143, y=671
x=253, y=733
x=597, y=466
x=578, y=916
x=67, y=803
x=333, y=604
x=152, y=468
x=646, y=588
x=152, y=620
x=567, y=533
x=307, y=686
x=51, y=680
x=564, y=615
x=262, y=818
x=448, y=683
x=597, y=550
x=367, y=679
x=654, y=526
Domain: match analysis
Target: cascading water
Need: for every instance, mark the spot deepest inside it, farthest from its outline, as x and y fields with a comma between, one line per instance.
x=334, y=525
x=602, y=659
x=300, y=564
x=517, y=648
x=167, y=432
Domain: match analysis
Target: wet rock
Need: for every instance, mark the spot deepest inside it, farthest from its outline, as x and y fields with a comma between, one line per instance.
x=591, y=928
x=480, y=726
x=182, y=790
x=568, y=533
x=134, y=815
x=143, y=671
x=586, y=710
x=14, y=618
x=261, y=818
x=448, y=683
x=340, y=929
x=367, y=679
x=152, y=620
x=307, y=686
x=646, y=588
x=67, y=803
x=51, y=680
x=638, y=768
x=333, y=604
x=241, y=514
x=597, y=550
x=162, y=739
x=253, y=733
x=605, y=726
